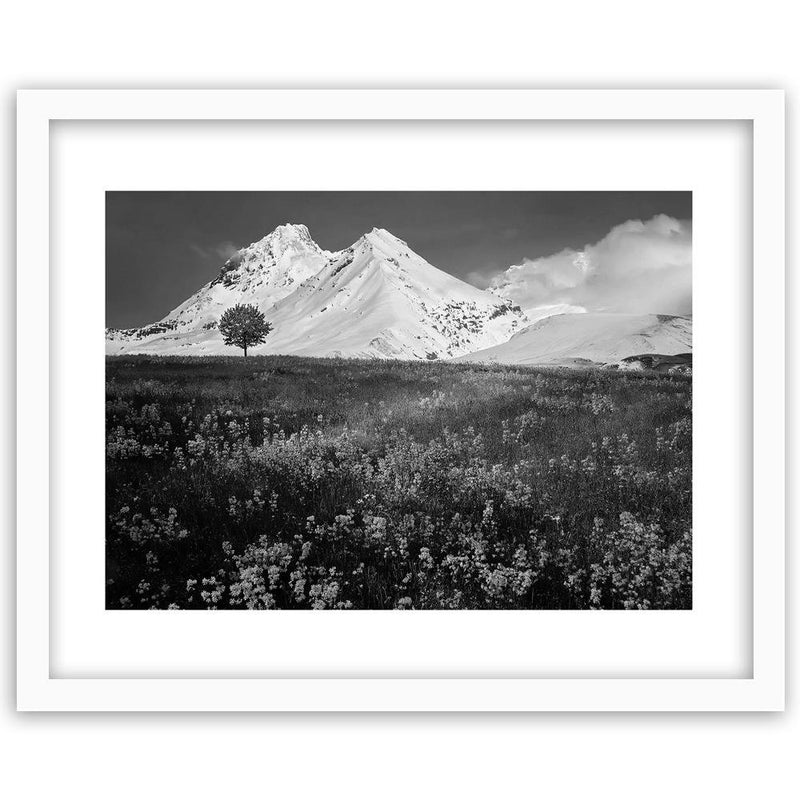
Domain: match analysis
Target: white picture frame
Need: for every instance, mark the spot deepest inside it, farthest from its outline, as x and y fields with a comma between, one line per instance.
x=39, y=688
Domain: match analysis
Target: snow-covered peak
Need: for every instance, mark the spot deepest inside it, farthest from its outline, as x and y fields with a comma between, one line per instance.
x=286, y=238
x=290, y=233
x=260, y=274
x=387, y=238
x=382, y=243
x=292, y=229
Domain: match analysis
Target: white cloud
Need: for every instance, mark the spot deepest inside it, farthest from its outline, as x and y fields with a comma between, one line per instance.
x=481, y=278
x=638, y=267
x=220, y=252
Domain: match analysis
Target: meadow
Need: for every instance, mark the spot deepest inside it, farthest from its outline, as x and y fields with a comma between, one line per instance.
x=277, y=482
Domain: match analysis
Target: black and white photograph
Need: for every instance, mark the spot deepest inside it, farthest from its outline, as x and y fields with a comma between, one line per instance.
x=357, y=421
x=399, y=400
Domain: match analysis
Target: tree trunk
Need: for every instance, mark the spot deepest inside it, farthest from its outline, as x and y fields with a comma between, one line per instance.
x=245, y=351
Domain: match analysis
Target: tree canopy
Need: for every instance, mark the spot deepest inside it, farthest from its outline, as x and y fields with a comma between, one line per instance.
x=243, y=326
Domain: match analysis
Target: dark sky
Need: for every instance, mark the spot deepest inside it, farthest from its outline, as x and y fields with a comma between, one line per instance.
x=163, y=246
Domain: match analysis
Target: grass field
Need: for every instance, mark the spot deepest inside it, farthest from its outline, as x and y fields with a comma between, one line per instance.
x=281, y=482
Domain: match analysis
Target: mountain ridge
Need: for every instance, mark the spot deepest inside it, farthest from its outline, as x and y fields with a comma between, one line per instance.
x=380, y=298
x=377, y=298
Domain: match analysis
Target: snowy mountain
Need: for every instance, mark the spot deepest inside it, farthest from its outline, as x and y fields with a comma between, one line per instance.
x=260, y=274
x=375, y=299
x=597, y=337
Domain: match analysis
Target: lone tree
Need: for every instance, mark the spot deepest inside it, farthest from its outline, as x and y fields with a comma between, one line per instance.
x=243, y=326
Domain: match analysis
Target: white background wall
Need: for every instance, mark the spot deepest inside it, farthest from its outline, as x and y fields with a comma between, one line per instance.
x=409, y=44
